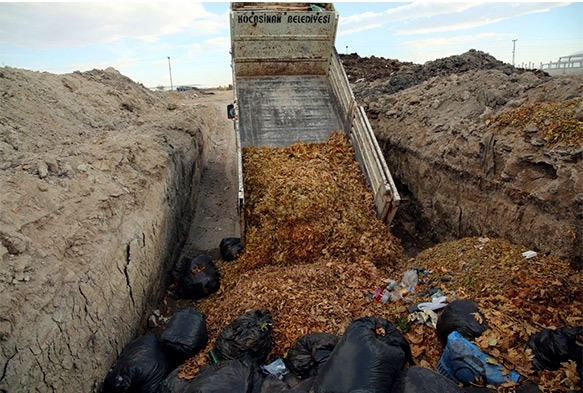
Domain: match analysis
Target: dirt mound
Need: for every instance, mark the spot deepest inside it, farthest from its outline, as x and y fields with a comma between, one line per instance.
x=471, y=60
x=95, y=173
x=370, y=68
x=480, y=147
x=378, y=76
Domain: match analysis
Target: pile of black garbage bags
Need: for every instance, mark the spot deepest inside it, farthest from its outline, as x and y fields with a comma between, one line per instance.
x=371, y=356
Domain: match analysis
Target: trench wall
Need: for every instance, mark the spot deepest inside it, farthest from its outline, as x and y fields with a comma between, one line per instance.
x=490, y=191
x=68, y=340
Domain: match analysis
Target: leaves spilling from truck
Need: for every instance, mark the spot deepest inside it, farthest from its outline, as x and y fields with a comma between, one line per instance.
x=315, y=251
x=311, y=201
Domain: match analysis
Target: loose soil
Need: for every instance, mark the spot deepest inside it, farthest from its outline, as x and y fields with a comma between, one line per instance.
x=479, y=147
x=99, y=181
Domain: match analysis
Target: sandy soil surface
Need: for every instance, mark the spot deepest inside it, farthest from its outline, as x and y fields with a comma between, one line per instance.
x=216, y=214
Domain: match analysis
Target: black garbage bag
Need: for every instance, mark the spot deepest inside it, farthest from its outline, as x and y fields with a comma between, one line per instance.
x=141, y=367
x=423, y=380
x=185, y=334
x=198, y=278
x=462, y=316
x=369, y=357
x=303, y=387
x=292, y=380
x=250, y=334
x=309, y=353
x=229, y=376
x=270, y=384
x=230, y=248
x=173, y=383
x=552, y=347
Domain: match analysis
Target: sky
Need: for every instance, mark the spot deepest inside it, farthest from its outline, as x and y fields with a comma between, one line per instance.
x=187, y=43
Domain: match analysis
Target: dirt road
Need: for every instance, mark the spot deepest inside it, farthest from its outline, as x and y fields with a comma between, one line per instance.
x=216, y=211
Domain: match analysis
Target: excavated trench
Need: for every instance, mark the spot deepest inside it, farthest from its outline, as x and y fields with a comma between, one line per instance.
x=106, y=191
x=465, y=171
x=442, y=204
x=214, y=218
x=213, y=195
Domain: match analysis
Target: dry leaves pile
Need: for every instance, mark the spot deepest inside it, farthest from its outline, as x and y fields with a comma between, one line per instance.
x=310, y=201
x=556, y=121
x=518, y=297
x=315, y=252
x=314, y=247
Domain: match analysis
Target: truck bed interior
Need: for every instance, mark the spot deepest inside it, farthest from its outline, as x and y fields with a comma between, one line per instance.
x=277, y=111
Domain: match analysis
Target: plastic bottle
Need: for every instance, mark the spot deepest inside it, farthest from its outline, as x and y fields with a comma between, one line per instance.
x=385, y=296
x=410, y=280
x=214, y=357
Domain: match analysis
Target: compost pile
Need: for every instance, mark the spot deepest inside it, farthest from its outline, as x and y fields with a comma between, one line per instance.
x=315, y=254
x=553, y=121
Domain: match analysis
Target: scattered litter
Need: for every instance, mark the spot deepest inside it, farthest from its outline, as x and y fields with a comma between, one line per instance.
x=425, y=317
x=463, y=362
x=436, y=304
x=410, y=281
x=529, y=254
x=391, y=285
x=276, y=369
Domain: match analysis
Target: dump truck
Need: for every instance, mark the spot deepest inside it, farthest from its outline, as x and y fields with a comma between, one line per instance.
x=289, y=86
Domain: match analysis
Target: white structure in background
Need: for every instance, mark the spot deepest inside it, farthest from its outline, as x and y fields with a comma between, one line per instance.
x=567, y=65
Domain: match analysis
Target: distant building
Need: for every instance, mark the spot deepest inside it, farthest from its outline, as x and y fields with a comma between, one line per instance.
x=567, y=65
